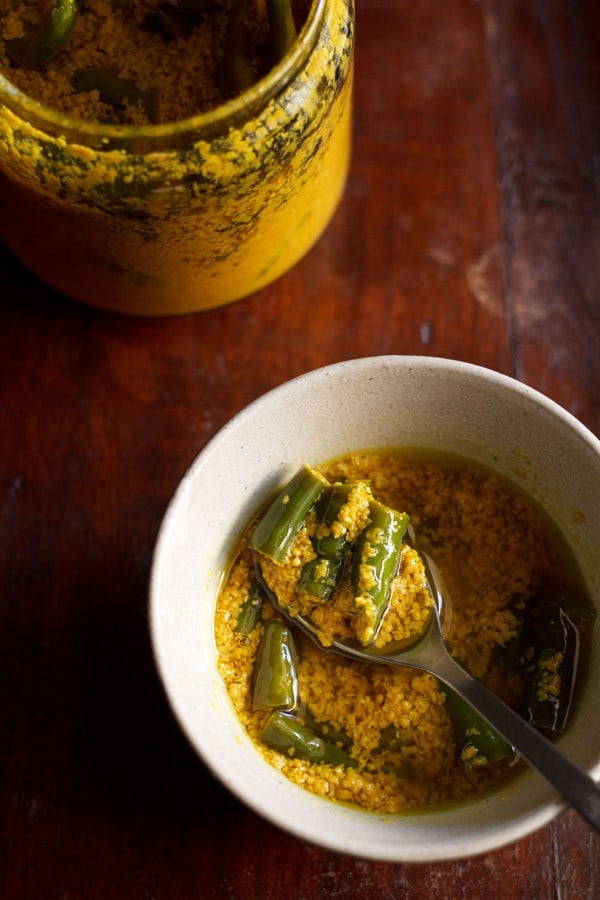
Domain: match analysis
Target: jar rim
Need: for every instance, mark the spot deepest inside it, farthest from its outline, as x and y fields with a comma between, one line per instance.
x=202, y=125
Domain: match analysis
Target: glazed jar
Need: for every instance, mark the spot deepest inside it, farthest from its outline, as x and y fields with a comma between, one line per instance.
x=191, y=215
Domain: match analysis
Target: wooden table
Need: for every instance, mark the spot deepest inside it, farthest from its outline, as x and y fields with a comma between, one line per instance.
x=469, y=229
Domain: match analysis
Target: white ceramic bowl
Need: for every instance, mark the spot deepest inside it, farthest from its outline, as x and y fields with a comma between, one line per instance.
x=386, y=401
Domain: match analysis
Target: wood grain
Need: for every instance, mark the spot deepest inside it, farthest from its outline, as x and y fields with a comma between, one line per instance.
x=469, y=229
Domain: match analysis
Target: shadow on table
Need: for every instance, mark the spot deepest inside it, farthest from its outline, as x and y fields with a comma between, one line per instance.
x=131, y=757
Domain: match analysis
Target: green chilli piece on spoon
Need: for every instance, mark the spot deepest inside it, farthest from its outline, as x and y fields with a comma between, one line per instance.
x=283, y=519
x=375, y=562
x=321, y=576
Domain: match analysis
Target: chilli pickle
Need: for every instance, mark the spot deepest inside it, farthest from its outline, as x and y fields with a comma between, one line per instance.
x=188, y=152
x=330, y=547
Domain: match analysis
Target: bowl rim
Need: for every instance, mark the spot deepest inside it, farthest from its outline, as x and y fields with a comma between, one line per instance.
x=523, y=826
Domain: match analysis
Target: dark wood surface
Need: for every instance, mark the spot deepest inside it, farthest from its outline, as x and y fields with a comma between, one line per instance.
x=469, y=229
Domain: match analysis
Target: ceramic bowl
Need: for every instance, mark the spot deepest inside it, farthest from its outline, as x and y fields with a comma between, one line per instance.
x=386, y=401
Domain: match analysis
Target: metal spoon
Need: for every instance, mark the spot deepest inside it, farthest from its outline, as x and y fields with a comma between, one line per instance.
x=429, y=654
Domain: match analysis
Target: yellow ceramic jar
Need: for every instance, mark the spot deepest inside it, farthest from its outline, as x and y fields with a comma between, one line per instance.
x=191, y=215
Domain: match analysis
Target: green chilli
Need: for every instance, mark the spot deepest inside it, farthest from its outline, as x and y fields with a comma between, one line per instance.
x=282, y=27
x=237, y=74
x=479, y=744
x=392, y=738
x=375, y=561
x=555, y=657
x=250, y=610
x=285, y=516
x=326, y=731
x=321, y=576
x=39, y=45
x=289, y=735
x=275, y=677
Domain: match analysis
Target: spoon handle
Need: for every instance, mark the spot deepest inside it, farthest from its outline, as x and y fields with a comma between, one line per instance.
x=576, y=786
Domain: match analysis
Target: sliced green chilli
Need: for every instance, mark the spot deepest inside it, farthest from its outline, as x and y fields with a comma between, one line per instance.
x=289, y=735
x=275, y=677
x=479, y=744
x=556, y=653
x=285, y=516
x=375, y=561
x=250, y=610
x=321, y=576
